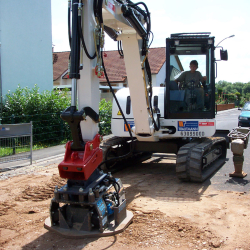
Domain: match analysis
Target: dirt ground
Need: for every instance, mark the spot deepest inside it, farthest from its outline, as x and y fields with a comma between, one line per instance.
x=168, y=214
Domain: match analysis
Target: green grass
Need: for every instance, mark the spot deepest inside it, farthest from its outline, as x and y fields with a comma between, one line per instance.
x=7, y=151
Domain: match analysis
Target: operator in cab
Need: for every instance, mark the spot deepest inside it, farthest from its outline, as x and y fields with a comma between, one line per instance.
x=191, y=81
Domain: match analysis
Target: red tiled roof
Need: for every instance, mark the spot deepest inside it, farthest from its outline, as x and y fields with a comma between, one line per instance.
x=115, y=67
x=60, y=64
x=156, y=58
x=114, y=64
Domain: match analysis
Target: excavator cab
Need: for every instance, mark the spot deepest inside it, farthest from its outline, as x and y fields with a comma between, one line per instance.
x=191, y=97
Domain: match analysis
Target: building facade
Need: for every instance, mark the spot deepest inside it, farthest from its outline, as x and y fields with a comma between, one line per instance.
x=25, y=45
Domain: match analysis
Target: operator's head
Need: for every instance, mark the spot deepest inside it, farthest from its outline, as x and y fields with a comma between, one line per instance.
x=193, y=66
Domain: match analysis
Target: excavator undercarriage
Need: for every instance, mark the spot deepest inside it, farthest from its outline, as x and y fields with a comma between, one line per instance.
x=196, y=159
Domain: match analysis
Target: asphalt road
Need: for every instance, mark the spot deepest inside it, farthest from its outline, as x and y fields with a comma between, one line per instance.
x=228, y=119
x=45, y=154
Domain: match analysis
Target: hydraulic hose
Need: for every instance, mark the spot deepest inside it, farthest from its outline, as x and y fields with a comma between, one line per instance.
x=82, y=39
x=143, y=13
x=111, y=89
x=79, y=27
x=69, y=27
x=120, y=51
x=147, y=66
x=116, y=100
x=151, y=39
x=124, y=118
x=98, y=14
x=100, y=11
x=114, y=182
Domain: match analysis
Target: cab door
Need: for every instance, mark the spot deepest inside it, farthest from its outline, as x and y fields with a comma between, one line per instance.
x=189, y=100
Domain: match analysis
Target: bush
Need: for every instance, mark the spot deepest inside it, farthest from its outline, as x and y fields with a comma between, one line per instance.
x=25, y=101
x=43, y=109
x=238, y=95
x=231, y=98
x=105, y=113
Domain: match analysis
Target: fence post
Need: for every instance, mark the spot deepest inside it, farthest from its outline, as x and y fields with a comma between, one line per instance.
x=61, y=128
x=31, y=142
x=13, y=140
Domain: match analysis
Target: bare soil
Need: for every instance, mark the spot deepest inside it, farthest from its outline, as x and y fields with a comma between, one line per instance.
x=168, y=214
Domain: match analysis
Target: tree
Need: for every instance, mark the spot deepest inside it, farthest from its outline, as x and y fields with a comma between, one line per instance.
x=228, y=88
x=246, y=88
x=220, y=91
x=222, y=84
x=238, y=86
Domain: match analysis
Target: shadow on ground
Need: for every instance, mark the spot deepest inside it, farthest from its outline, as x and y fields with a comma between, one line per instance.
x=51, y=240
x=156, y=178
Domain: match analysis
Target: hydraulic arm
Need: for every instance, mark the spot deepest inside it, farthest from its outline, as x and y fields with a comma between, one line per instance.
x=93, y=203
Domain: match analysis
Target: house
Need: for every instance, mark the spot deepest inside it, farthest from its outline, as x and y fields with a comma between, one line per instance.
x=25, y=45
x=116, y=70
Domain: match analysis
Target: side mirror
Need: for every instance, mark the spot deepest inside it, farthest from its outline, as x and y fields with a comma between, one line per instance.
x=223, y=55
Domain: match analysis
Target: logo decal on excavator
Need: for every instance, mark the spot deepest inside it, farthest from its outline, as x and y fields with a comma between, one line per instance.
x=206, y=123
x=130, y=124
x=188, y=126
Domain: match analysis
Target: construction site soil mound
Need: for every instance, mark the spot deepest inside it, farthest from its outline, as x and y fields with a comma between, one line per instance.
x=168, y=214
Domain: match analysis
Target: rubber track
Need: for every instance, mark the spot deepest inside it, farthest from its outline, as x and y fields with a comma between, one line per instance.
x=109, y=142
x=183, y=158
x=189, y=159
x=118, y=165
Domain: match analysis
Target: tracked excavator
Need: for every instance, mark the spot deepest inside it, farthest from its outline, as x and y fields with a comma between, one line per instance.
x=145, y=119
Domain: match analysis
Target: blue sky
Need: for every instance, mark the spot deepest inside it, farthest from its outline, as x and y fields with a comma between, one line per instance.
x=220, y=17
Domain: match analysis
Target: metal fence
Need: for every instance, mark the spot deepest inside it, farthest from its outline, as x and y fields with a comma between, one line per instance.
x=48, y=129
x=15, y=142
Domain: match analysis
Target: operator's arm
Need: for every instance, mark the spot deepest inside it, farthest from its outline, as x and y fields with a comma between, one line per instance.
x=202, y=78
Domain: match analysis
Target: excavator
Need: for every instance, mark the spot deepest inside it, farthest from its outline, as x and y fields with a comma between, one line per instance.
x=145, y=119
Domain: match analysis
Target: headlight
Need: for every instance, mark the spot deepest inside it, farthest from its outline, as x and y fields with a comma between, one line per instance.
x=242, y=118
